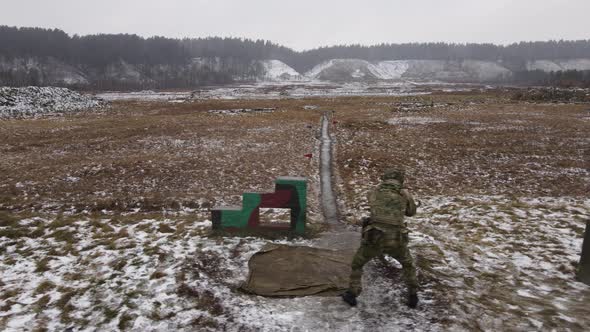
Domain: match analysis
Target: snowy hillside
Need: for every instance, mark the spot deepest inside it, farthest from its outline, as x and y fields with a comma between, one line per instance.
x=389, y=70
x=454, y=71
x=277, y=70
x=485, y=70
x=121, y=75
x=49, y=71
x=355, y=69
x=341, y=70
x=557, y=65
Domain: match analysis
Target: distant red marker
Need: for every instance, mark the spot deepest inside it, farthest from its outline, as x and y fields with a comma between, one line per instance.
x=309, y=155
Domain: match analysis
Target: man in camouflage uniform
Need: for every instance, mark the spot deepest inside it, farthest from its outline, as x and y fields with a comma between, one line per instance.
x=386, y=233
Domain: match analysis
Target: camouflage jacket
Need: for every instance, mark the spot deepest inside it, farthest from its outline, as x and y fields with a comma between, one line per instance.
x=390, y=203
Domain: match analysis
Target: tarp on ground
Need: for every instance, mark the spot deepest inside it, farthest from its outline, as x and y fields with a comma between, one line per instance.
x=288, y=271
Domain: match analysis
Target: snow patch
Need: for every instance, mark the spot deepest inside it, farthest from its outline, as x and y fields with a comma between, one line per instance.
x=418, y=120
x=544, y=65
x=485, y=70
x=278, y=70
x=389, y=70
x=559, y=65
x=315, y=71
x=468, y=70
x=32, y=101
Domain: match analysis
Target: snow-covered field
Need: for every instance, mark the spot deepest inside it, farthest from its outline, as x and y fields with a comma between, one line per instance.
x=503, y=188
x=485, y=262
x=293, y=90
x=98, y=274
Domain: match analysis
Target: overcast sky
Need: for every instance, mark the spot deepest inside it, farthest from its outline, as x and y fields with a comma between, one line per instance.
x=304, y=24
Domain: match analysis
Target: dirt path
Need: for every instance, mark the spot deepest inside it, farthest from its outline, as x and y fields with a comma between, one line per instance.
x=328, y=199
x=339, y=237
x=380, y=308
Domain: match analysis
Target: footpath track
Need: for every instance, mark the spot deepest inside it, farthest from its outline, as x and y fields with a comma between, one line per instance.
x=339, y=236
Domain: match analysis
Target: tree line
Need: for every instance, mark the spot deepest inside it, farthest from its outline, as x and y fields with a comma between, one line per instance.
x=95, y=53
x=106, y=48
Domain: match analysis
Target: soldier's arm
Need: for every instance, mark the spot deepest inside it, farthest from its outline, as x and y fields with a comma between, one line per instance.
x=411, y=204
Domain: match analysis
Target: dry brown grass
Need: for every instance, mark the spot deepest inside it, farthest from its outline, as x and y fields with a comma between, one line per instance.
x=156, y=156
x=486, y=147
x=151, y=156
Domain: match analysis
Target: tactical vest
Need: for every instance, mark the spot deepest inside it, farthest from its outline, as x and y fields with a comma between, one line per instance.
x=387, y=205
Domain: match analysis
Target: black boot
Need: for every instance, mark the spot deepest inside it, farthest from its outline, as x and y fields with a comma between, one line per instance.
x=349, y=298
x=412, y=299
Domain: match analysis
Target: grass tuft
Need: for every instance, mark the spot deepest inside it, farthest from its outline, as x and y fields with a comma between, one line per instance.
x=44, y=287
x=125, y=321
x=158, y=275
x=42, y=265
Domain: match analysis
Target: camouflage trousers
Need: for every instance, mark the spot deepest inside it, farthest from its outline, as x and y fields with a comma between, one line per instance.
x=376, y=242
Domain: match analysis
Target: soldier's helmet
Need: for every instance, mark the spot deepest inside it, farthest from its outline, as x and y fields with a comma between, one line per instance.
x=393, y=174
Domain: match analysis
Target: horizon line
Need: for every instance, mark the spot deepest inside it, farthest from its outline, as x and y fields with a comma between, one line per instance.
x=505, y=44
